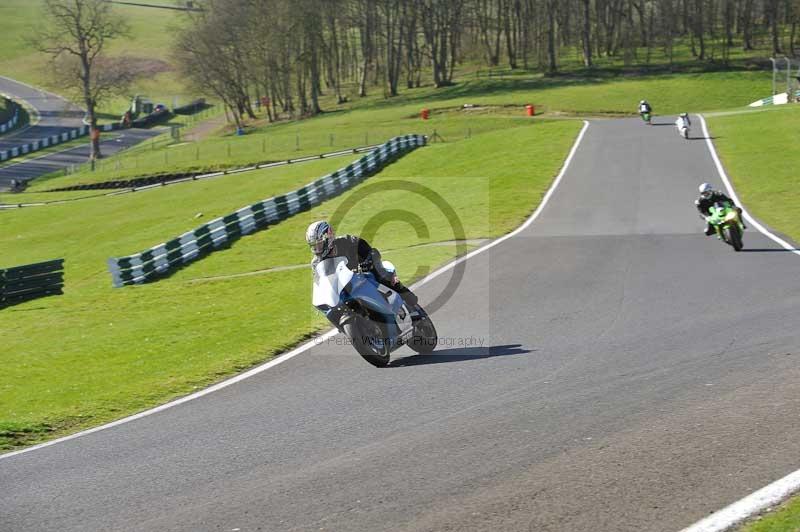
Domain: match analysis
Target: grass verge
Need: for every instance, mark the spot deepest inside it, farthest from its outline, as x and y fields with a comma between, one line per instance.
x=759, y=151
x=498, y=103
x=785, y=518
x=145, y=50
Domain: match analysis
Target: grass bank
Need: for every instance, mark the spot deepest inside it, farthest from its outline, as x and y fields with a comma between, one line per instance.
x=98, y=353
x=492, y=104
x=759, y=151
x=145, y=49
x=785, y=518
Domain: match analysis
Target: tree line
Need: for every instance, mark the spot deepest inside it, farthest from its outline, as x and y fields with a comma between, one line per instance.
x=293, y=51
x=289, y=53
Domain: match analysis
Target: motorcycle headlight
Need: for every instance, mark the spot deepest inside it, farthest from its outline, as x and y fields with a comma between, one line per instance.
x=731, y=216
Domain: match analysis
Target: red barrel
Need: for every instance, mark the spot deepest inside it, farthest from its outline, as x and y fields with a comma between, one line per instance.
x=530, y=110
x=425, y=114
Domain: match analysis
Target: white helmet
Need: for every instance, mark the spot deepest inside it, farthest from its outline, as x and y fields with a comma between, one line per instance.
x=319, y=237
x=643, y=102
x=705, y=187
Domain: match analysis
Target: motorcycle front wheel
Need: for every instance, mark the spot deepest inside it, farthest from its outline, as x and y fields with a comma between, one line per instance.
x=734, y=237
x=425, y=336
x=367, y=338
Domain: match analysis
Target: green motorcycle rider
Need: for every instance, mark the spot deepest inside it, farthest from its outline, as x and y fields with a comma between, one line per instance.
x=708, y=198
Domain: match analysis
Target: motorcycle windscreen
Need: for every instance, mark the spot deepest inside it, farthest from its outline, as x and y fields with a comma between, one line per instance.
x=330, y=277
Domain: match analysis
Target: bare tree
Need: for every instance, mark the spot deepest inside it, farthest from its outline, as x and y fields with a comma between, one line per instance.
x=75, y=34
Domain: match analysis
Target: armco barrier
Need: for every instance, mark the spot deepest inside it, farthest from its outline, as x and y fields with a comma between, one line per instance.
x=9, y=125
x=155, y=117
x=164, y=258
x=52, y=141
x=191, y=107
x=160, y=180
x=32, y=281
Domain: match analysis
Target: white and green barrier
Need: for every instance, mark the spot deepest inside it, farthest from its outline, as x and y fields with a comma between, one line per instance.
x=777, y=99
x=12, y=122
x=52, y=140
x=164, y=258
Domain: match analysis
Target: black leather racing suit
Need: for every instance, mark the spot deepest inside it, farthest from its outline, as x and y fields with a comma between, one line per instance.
x=359, y=252
x=707, y=200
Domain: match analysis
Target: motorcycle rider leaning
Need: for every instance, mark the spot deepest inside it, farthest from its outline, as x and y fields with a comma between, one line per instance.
x=709, y=197
x=324, y=244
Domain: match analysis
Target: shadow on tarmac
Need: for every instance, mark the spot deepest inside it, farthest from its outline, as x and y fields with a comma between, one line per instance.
x=460, y=354
x=767, y=250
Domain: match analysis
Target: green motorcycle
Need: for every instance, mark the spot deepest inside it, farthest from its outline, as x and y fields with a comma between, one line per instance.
x=646, y=117
x=725, y=218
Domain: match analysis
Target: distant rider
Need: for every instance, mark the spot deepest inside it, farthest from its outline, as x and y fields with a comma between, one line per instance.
x=324, y=244
x=708, y=198
x=644, y=107
x=683, y=121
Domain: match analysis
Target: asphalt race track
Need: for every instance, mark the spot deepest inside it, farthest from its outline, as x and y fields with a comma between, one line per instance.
x=64, y=158
x=635, y=375
x=56, y=115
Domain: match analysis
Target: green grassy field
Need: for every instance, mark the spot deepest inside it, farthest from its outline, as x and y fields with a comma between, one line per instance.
x=499, y=104
x=147, y=48
x=228, y=311
x=786, y=518
x=759, y=151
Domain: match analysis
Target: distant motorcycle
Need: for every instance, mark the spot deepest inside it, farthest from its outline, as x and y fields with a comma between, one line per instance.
x=646, y=117
x=725, y=218
x=374, y=317
x=683, y=124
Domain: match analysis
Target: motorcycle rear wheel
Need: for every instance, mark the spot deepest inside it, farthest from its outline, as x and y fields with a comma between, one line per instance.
x=363, y=332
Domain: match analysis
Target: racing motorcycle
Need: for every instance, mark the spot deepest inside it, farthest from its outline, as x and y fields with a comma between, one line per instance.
x=646, y=117
x=373, y=316
x=725, y=218
x=683, y=127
